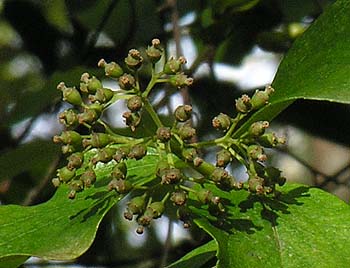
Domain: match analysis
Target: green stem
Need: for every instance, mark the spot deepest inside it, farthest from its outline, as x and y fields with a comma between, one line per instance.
x=149, y=108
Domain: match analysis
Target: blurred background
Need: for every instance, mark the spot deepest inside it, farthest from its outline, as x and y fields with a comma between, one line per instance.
x=232, y=47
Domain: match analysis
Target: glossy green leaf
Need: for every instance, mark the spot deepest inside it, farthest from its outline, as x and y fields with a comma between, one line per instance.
x=197, y=257
x=317, y=66
x=304, y=227
x=63, y=229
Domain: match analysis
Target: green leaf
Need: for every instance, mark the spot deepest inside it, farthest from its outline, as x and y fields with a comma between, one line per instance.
x=304, y=227
x=63, y=229
x=317, y=66
x=197, y=257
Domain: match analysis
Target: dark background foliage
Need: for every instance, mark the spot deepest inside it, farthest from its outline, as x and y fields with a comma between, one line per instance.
x=44, y=42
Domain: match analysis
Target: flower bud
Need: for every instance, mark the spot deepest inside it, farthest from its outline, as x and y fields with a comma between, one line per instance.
x=223, y=157
x=76, y=185
x=70, y=94
x=98, y=140
x=70, y=137
x=161, y=168
x=120, y=186
x=137, y=151
x=137, y=204
x=270, y=140
x=204, y=196
x=156, y=209
x=69, y=118
x=181, y=80
x=64, y=174
x=112, y=69
x=104, y=155
x=154, y=52
x=256, y=152
x=119, y=171
x=186, y=132
x=102, y=95
x=75, y=160
x=243, y=104
x=121, y=153
x=89, y=116
x=184, y=215
x=171, y=176
x=88, y=178
x=132, y=119
x=258, y=128
x=179, y=198
x=189, y=154
x=135, y=103
x=134, y=59
x=222, y=122
x=126, y=81
x=183, y=113
x=256, y=185
x=172, y=66
x=56, y=182
x=219, y=174
x=163, y=134
x=89, y=85
x=261, y=98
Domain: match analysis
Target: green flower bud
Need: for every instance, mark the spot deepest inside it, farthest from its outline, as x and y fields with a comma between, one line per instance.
x=64, y=174
x=161, y=168
x=243, y=104
x=222, y=122
x=121, y=153
x=222, y=179
x=70, y=94
x=183, y=113
x=154, y=52
x=186, y=132
x=76, y=185
x=189, y=154
x=69, y=118
x=75, y=160
x=181, y=80
x=256, y=185
x=102, y=95
x=258, y=128
x=120, y=186
x=98, y=140
x=132, y=119
x=119, y=171
x=134, y=59
x=163, y=134
x=223, y=157
x=270, y=140
x=89, y=116
x=171, y=176
x=89, y=85
x=156, y=209
x=104, y=155
x=256, y=152
x=137, y=151
x=179, y=198
x=172, y=66
x=126, y=81
x=261, y=98
x=144, y=220
x=68, y=149
x=56, y=182
x=204, y=196
x=112, y=69
x=137, y=204
x=135, y=103
x=70, y=137
x=88, y=178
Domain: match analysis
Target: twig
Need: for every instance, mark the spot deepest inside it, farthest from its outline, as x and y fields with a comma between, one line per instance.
x=35, y=192
x=167, y=245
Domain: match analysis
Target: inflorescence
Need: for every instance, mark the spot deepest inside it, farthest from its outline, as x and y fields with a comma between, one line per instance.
x=174, y=143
